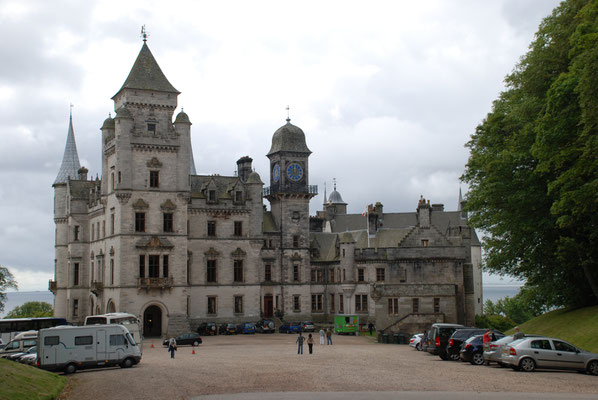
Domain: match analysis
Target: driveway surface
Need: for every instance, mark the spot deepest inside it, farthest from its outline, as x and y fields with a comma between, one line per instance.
x=269, y=363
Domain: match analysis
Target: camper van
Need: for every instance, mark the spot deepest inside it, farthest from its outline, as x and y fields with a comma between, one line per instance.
x=69, y=348
x=20, y=343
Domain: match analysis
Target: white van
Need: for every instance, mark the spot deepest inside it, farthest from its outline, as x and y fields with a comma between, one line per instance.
x=68, y=348
x=20, y=343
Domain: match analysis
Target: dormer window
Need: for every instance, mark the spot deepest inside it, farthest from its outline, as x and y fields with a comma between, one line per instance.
x=211, y=196
x=238, y=197
x=151, y=128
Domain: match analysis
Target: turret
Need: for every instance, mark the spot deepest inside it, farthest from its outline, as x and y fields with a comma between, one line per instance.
x=254, y=197
x=244, y=168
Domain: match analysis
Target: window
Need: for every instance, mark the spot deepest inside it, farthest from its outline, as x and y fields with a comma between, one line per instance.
x=165, y=266
x=331, y=275
x=360, y=275
x=212, y=305
x=112, y=180
x=332, y=303
x=313, y=275
x=238, y=197
x=296, y=272
x=103, y=228
x=238, y=304
x=112, y=223
x=211, y=228
x=142, y=266
x=238, y=270
x=117, y=340
x=139, y=222
x=98, y=230
x=562, y=346
x=154, y=179
x=211, y=271
x=296, y=241
x=344, y=275
x=296, y=303
x=238, y=228
x=211, y=196
x=268, y=273
x=316, y=303
x=343, y=253
x=92, y=275
x=75, y=308
x=361, y=303
x=415, y=305
x=51, y=340
x=151, y=128
x=380, y=272
x=424, y=242
x=153, y=266
x=168, y=222
x=540, y=344
x=92, y=233
x=393, y=306
x=76, y=233
x=112, y=271
x=83, y=340
x=76, y=274
x=341, y=304
x=436, y=305
x=320, y=275
x=119, y=177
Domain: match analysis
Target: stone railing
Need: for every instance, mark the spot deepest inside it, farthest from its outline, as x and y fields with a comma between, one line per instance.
x=310, y=189
x=155, y=283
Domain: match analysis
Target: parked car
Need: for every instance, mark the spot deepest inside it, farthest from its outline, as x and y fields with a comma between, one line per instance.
x=416, y=341
x=439, y=337
x=228, y=329
x=191, y=338
x=207, y=329
x=473, y=350
x=529, y=354
x=308, y=326
x=20, y=343
x=265, y=326
x=29, y=356
x=461, y=335
x=290, y=327
x=493, y=350
x=425, y=342
x=246, y=328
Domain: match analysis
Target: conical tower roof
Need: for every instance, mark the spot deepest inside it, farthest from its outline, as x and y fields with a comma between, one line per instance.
x=70, y=160
x=147, y=75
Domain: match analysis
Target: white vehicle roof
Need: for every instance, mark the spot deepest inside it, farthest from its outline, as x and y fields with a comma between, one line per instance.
x=26, y=335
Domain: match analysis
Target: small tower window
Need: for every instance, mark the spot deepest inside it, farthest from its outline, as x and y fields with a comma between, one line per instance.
x=154, y=179
x=151, y=128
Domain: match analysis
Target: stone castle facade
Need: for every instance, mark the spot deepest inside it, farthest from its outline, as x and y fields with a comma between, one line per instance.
x=154, y=239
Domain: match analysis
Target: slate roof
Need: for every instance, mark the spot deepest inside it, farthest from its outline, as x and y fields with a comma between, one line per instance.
x=223, y=184
x=147, y=75
x=70, y=160
x=325, y=243
x=289, y=138
x=269, y=223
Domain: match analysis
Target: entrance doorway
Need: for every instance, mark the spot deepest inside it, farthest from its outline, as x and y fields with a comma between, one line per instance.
x=152, y=322
x=268, y=306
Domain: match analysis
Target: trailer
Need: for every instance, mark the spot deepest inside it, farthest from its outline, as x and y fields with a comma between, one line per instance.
x=69, y=348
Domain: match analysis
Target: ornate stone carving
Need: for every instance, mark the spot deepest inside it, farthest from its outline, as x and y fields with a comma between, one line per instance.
x=168, y=205
x=238, y=253
x=123, y=198
x=212, y=253
x=154, y=163
x=140, y=205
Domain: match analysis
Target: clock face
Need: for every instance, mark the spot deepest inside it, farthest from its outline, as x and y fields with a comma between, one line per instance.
x=276, y=173
x=295, y=172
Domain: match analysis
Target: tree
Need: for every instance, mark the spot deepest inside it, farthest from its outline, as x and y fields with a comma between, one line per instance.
x=32, y=309
x=533, y=170
x=6, y=281
x=525, y=305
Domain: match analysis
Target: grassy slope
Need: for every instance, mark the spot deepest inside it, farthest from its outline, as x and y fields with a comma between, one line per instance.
x=26, y=382
x=578, y=327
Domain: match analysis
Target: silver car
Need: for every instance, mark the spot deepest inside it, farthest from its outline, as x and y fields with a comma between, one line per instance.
x=548, y=353
x=493, y=350
x=415, y=341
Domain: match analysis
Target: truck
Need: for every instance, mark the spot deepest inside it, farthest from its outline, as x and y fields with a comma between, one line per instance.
x=346, y=324
x=69, y=348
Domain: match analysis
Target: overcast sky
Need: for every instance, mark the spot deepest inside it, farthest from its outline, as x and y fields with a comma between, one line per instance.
x=387, y=93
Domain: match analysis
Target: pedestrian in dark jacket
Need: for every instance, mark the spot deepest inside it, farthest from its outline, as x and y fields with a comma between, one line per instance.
x=310, y=343
x=300, y=340
x=172, y=347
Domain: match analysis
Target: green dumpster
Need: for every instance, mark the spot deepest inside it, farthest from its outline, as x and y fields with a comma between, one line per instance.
x=385, y=338
x=396, y=338
x=402, y=339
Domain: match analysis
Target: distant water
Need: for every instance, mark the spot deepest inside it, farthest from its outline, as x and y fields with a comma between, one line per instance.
x=15, y=299
x=497, y=292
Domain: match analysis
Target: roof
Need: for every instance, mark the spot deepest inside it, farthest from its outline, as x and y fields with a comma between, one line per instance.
x=335, y=198
x=325, y=244
x=70, y=160
x=223, y=185
x=289, y=138
x=147, y=75
x=269, y=223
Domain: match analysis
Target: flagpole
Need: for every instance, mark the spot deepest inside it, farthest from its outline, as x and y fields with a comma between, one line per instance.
x=367, y=224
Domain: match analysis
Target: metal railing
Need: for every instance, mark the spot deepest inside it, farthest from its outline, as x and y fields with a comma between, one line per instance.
x=160, y=283
x=310, y=189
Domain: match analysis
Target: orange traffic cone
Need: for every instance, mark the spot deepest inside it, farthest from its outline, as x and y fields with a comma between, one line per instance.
x=193, y=352
x=152, y=344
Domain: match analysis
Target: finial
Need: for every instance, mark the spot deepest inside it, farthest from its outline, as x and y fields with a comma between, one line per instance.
x=109, y=114
x=71, y=107
x=334, y=181
x=288, y=114
x=182, y=109
x=144, y=34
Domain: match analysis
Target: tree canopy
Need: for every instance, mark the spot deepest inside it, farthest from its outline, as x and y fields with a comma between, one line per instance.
x=6, y=281
x=533, y=165
x=32, y=309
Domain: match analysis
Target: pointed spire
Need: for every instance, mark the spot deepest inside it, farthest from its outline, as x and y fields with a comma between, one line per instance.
x=460, y=200
x=325, y=197
x=70, y=160
x=147, y=75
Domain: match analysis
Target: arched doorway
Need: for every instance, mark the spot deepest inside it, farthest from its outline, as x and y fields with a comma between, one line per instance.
x=111, y=308
x=152, y=322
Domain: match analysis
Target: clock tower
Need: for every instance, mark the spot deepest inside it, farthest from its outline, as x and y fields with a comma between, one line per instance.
x=289, y=195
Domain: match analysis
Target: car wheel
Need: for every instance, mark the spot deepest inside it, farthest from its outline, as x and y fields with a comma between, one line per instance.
x=527, y=365
x=593, y=367
x=515, y=368
x=70, y=369
x=454, y=357
x=196, y=343
x=127, y=363
x=477, y=359
x=418, y=347
x=443, y=356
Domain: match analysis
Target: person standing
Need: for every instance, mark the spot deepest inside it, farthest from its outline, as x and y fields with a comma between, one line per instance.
x=300, y=340
x=328, y=337
x=322, y=334
x=172, y=347
x=370, y=328
x=310, y=343
x=518, y=335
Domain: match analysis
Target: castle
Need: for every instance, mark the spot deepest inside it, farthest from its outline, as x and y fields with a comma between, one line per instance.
x=154, y=239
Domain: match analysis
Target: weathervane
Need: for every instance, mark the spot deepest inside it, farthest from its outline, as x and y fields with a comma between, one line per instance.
x=71, y=107
x=144, y=34
x=288, y=114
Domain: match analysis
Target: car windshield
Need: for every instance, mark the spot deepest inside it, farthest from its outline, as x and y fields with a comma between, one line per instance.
x=472, y=339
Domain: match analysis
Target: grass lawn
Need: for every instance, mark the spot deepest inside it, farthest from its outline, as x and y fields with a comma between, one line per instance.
x=25, y=382
x=578, y=327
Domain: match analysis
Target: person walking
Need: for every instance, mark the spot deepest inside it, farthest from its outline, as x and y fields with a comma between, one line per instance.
x=370, y=328
x=328, y=337
x=310, y=343
x=172, y=347
x=300, y=340
x=322, y=334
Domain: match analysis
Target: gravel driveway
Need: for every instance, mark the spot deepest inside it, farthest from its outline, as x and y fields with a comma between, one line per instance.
x=269, y=363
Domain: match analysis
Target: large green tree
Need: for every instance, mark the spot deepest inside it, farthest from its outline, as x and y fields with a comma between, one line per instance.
x=533, y=166
x=6, y=281
x=32, y=309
